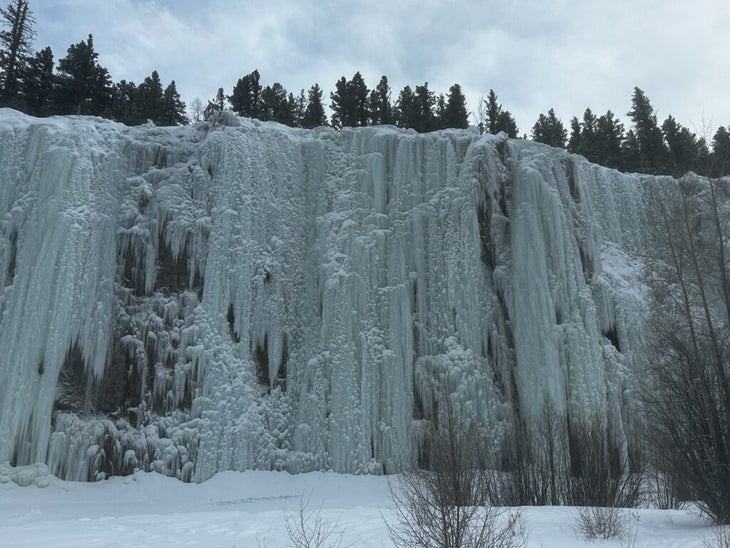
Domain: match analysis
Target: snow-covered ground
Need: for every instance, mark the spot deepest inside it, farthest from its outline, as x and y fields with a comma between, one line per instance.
x=247, y=510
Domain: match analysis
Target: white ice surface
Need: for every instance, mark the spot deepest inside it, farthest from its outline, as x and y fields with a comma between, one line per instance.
x=329, y=278
x=245, y=510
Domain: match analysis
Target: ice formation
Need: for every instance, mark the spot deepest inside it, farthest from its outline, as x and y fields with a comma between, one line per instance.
x=245, y=295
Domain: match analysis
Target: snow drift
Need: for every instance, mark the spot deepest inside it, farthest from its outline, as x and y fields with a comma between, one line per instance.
x=191, y=300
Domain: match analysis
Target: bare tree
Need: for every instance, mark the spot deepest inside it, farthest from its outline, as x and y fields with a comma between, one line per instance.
x=196, y=110
x=480, y=115
x=688, y=395
x=446, y=504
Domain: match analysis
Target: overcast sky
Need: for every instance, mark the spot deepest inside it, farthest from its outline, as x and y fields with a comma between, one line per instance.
x=535, y=54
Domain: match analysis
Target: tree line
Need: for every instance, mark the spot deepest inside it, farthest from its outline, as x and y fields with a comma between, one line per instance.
x=31, y=82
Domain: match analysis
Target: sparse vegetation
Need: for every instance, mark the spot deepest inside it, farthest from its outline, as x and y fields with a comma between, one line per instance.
x=446, y=504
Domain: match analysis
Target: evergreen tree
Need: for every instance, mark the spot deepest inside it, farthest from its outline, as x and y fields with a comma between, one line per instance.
x=276, y=105
x=588, y=146
x=84, y=87
x=381, y=109
x=455, y=114
x=440, y=111
x=549, y=130
x=652, y=153
x=220, y=100
x=359, y=93
x=406, y=109
x=704, y=158
x=314, y=115
x=173, y=113
x=599, y=139
x=149, y=102
x=15, y=49
x=340, y=104
x=215, y=106
x=39, y=84
x=350, y=102
x=721, y=152
x=124, y=96
x=609, y=136
x=506, y=123
x=574, y=143
x=425, y=101
x=246, y=97
x=298, y=108
x=683, y=148
x=630, y=153
x=498, y=119
x=494, y=109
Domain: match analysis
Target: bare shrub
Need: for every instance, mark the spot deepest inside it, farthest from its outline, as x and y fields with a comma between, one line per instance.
x=307, y=529
x=567, y=463
x=447, y=505
x=538, y=468
x=598, y=477
x=606, y=522
x=662, y=493
x=599, y=522
x=718, y=538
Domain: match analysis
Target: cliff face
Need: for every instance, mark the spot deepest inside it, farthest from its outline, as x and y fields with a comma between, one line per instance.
x=190, y=300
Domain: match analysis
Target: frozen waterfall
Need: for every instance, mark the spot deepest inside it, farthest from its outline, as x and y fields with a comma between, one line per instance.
x=196, y=299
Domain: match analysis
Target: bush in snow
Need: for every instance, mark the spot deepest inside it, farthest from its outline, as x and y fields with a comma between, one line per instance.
x=307, y=529
x=447, y=504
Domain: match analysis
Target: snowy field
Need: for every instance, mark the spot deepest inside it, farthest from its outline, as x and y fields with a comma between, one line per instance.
x=247, y=510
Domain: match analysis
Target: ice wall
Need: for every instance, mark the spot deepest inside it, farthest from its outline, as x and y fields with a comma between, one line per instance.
x=245, y=295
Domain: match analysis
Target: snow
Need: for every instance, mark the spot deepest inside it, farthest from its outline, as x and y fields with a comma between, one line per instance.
x=249, y=296
x=246, y=509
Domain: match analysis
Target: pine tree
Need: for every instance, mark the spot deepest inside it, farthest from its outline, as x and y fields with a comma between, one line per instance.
x=455, y=114
x=494, y=109
x=683, y=148
x=498, y=119
x=721, y=152
x=246, y=97
x=425, y=101
x=440, y=111
x=652, y=153
x=588, y=145
x=314, y=115
x=630, y=153
x=574, y=143
x=173, y=113
x=406, y=109
x=84, y=87
x=124, y=97
x=298, y=108
x=609, y=134
x=549, y=130
x=359, y=93
x=149, y=101
x=216, y=105
x=340, y=104
x=350, y=102
x=275, y=104
x=15, y=49
x=381, y=109
x=39, y=82
x=704, y=158
x=507, y=123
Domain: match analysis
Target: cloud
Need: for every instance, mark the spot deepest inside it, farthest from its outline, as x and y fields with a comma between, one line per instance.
x=566, y=54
